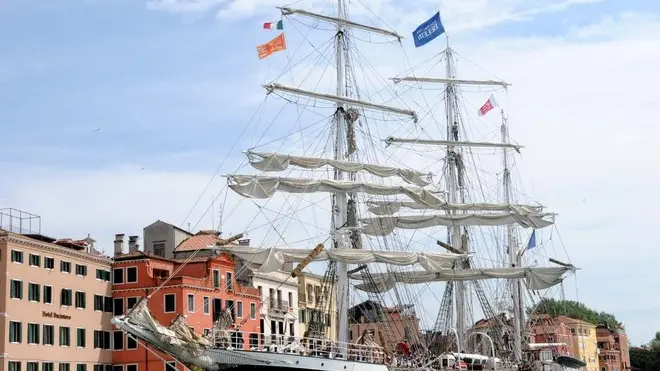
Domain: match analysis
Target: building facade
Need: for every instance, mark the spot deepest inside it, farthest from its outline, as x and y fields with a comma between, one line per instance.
x=161, y=238
x=279, y=321
x=614, y=354
x=56, y=303
x=585, y=345
x=550, y=337
x=315, y=303
x=199, y=288
x=398, y=324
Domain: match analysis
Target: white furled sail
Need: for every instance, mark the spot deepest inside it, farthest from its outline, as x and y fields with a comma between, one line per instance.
x=270, y=260
x=391, y=207
x=279, y=162
x=254, y=186
x=383, y=226
x=535, y=278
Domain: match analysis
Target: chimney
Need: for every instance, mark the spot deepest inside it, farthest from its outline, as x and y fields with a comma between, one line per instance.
x=132, y=244
x=119, y=244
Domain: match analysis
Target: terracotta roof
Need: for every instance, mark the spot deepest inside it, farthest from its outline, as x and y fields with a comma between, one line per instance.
x=201, y=241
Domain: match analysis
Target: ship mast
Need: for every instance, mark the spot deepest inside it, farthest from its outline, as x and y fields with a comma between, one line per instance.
x=512, y=246
x=340, y=200
x=452, y=187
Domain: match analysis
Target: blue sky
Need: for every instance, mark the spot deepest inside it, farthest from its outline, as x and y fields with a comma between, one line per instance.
x=171, y=91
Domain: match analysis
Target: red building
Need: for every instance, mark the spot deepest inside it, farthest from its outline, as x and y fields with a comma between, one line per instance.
x=613, y=352
x=550, y=336
x=199, y=289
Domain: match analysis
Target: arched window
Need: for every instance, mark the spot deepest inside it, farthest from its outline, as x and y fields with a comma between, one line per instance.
x=603, y=368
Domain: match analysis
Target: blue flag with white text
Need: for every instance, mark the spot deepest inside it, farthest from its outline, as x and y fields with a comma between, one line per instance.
x=428, y=30
x=532, y=241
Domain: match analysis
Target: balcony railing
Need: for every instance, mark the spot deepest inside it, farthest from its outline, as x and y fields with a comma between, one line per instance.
x=279, y=306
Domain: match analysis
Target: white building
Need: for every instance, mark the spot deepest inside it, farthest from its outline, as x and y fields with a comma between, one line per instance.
x=279, y=312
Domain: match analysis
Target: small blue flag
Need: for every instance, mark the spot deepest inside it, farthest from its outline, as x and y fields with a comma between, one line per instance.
x=428, y=30
x=532, y=241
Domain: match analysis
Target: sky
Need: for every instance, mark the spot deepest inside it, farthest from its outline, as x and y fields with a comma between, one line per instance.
x=117, y=113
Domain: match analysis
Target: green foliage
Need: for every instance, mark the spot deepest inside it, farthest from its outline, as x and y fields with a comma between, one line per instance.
x=645, y=359
x=576, y=310
x=655, y=342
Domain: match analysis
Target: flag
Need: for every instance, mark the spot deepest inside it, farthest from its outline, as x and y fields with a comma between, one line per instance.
x=532, y=241
x=489, y=105
x=428, y=31
x=275, y=45
x=274, y=25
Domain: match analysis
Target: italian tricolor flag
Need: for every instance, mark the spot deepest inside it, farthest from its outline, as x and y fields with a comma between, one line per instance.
x=273, y=26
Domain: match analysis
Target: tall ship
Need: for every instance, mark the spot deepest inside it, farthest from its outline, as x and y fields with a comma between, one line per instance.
x=392, y=189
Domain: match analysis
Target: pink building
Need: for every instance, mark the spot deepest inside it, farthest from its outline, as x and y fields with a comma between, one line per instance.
x=56, y=304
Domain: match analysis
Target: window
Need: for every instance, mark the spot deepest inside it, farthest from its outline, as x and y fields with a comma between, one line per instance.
x=117, y=340
x=291, y=329
x=16, y=289
x=117, y=367
x=290, y=299
x=65, y=336
x=118, y=276
x=80, y=337
x=102, y=275
x=107, y=304
x=66, y=297
x=81, y=300
x=49, y=263
x=47, y=366
x=253, y=311
x=81, y=270
x=65, y=367
x=98, y=303
x=239, y=309
x=65, y=266
x=230, y=281
x=118, y=306
x=170, y=303
x=545, y=355
x=131, y=367
x=101, y=339
x=14, y=365
x=48, y=294
x=34, y=291
x=216, y=278
x=206, y=305
x=130, y=302
x=17, y=256
x=49, y=335
x=15, y=332
x=33, y=333
x=81, y=367
x=34, y=260
x=170, y=366
x=131, y=342
x=159, y=248
x=301, y=315
x=191, y=303
x=32, y=366
x=98, y=368
x=131, y=275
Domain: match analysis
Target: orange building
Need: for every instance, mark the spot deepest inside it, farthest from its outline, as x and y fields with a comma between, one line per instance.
x=200, y=289
x=613, y=353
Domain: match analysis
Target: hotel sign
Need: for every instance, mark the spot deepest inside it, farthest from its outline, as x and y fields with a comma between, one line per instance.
x=55, y=315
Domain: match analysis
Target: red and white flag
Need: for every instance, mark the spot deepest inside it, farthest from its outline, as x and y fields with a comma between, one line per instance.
x=488, y=106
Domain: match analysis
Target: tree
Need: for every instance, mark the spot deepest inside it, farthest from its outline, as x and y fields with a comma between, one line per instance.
x=577, y=310
x=655, y=342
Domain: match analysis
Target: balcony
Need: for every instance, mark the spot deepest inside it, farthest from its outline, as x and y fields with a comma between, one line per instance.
x=279, y=307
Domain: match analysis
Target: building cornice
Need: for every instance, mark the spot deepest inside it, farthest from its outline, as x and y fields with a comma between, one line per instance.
x=20, y=240
x=182, y=286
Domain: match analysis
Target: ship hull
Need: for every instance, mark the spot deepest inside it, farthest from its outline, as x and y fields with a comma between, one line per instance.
x=218, y=359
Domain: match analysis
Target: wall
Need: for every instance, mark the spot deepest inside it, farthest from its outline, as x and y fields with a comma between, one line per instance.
x=307, y=302
x=288, y=316
x=163, y=232
x=55, y=314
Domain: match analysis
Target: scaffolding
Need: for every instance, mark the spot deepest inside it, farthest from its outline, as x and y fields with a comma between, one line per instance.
x=19, y=221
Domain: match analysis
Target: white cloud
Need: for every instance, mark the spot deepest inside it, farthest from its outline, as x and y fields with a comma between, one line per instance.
x=583, y=105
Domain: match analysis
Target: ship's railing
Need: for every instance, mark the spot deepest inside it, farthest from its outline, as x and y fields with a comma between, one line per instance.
x=313, y=347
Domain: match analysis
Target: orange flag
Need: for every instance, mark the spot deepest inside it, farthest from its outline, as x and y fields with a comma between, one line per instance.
x=275, y=45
